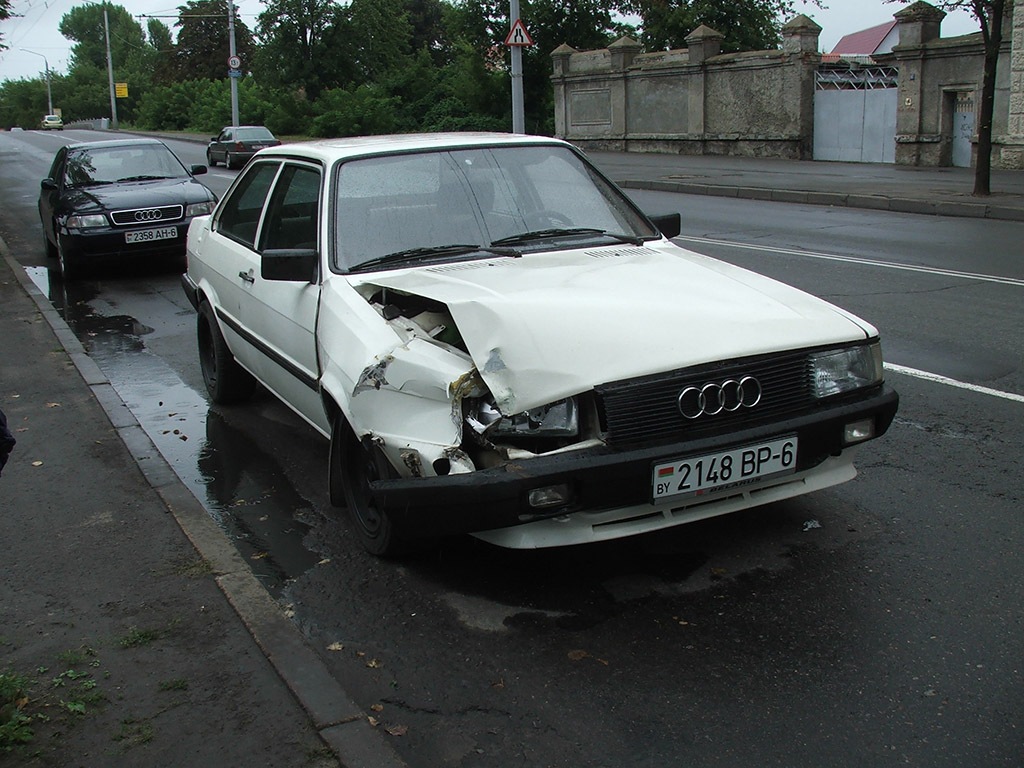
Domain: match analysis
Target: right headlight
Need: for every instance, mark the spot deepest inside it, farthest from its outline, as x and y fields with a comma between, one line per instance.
x=85, y=222
x=844, y=370
x=559, y=419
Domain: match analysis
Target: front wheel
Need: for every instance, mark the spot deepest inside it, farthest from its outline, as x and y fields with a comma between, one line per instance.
x=229, y=162
x=352, y=467
x=209, y=159
x=226, y=381
x=69, y=268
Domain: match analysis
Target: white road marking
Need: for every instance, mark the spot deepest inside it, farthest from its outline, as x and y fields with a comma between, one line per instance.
x=856, y=260
x=952, y=382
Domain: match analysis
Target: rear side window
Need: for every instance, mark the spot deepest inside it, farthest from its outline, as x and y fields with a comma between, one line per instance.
x=240, y=215
x=293, y=211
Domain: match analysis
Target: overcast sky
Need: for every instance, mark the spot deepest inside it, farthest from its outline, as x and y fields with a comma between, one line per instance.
x=36, y=29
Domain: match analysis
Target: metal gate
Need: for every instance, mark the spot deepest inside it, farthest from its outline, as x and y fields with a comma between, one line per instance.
x=855, y=114
x=963, y=129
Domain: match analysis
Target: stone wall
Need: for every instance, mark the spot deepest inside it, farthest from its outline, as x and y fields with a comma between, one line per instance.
x=691, y=101
x=761, y=103
x=933, y=71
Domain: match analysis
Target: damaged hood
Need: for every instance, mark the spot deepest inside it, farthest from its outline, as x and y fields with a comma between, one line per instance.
x=546, y=326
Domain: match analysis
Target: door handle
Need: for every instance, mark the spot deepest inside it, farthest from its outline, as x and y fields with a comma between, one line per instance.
x=247, y=276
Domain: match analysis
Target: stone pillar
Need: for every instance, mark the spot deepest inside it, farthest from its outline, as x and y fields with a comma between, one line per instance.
x=800, y=42
x=1012, y=155
x=622, y=51
x=701, y=44
x=918, y=25
x=800, y=35
x=560, y=61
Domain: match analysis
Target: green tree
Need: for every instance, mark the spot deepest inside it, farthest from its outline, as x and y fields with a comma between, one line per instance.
x=305, y=46
x=162, y=41
x=5, y=14
x=203, y=45
x=748, y=25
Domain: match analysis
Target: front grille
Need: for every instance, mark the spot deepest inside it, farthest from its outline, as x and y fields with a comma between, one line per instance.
x=645, y=411
x=148, y=216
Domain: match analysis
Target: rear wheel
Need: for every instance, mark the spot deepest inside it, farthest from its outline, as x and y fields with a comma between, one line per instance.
x=353, y=466
x=226, y=381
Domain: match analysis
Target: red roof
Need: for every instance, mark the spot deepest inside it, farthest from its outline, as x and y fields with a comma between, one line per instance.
x=864, y=42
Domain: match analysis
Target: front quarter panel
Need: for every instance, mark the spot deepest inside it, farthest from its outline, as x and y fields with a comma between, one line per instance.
x=391, y=382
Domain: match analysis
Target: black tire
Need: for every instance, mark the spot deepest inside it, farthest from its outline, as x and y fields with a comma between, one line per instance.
x=69, y=268
x=226, y=381
x=352, y=466
x=50, y=248
x=209, y=159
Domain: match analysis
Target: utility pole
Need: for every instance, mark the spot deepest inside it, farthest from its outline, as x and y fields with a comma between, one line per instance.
x=49, y=95
x=232, y=57
x=110, y=74
x=518, y=119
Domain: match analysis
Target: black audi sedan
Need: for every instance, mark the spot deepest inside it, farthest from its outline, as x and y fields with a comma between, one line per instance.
x=126, y=199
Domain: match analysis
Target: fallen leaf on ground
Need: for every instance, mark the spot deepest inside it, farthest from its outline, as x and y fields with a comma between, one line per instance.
x=373, y=721
x=335, y=647
x=398, y=730
x=53, y=405
x=37, y=463
x=377, y=707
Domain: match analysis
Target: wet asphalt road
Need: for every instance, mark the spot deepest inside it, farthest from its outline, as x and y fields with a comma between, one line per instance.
x=877, y=623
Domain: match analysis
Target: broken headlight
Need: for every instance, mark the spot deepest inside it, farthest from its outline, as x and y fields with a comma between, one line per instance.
x=558, y=419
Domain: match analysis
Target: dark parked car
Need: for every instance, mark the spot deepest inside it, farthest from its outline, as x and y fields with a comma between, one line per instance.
x=236, y=144
x=129, y=199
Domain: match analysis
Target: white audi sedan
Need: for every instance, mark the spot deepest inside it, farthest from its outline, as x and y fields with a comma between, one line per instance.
x=497, y=341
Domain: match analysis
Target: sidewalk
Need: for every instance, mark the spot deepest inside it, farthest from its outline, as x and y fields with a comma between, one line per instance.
x=143, y=634
x=884, y=187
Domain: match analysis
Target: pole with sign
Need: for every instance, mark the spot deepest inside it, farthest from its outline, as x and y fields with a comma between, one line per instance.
x=234, y=63
x=517, y=39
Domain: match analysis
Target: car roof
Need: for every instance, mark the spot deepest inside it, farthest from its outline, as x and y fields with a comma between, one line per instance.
x=329, y=150
x=116, y=143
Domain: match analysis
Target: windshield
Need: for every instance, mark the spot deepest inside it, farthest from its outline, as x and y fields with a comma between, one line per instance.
x=410, y=204
x=109, y=165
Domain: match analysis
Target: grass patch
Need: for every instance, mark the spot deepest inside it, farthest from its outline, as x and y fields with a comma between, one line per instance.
x=136, y=638
x=177, y=684
x=193, y=567
x=133, y=733
x=15, y=724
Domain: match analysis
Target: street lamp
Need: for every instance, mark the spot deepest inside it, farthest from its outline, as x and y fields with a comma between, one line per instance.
x=49, y=96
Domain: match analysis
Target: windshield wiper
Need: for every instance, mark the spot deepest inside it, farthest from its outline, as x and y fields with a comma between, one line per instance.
x=429, y=252
x=545, y=234
x=143, y=178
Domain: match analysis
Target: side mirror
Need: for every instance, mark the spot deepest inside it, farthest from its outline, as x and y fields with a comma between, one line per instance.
x=669, y=224
x=198, y=170
x=213, y=138
x=295, y=265
x=48, y=184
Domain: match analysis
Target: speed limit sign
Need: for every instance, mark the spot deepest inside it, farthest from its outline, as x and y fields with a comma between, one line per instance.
x=234, y=62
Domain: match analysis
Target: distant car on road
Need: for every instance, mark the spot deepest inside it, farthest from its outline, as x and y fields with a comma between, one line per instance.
x=497, y=341
x=127, y=199
x=236, y=144
x=52, y=123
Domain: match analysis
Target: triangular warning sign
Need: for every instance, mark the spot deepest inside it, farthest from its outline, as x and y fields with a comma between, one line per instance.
x=518, y=34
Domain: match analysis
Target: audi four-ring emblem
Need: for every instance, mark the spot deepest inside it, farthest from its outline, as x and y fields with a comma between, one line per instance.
x=715, y=397
x=151, y=214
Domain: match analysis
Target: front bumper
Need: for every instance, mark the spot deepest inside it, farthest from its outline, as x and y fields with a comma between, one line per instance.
x=602, y=479
x=109, y=245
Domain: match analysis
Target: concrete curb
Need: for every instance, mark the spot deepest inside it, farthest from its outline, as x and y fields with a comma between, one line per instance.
x=871, y=202
x=337, y=718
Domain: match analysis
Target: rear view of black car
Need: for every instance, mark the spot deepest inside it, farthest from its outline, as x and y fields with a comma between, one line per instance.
x=236, y=144
x=123, y=200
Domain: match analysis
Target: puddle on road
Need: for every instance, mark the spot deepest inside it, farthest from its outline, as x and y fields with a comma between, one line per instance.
x=242, y=487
